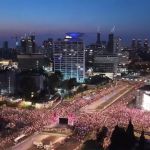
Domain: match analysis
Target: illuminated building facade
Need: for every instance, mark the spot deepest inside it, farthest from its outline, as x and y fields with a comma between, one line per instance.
x=69, y=56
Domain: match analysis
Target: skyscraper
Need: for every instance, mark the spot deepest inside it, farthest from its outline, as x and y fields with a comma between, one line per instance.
x=110, y=45
x=5, y=45
x=98, y=41
x=133, y=45
x=32, y=38
x=69, y=56
x=5, y=50
x=146, y=46
x=28, y=44
x=48, y=48
x=139, y=44
x=23, y=45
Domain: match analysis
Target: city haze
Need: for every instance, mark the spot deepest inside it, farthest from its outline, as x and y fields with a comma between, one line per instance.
x=55, y=17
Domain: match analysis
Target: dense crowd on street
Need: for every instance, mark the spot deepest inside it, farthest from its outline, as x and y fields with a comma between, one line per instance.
x=22, y=121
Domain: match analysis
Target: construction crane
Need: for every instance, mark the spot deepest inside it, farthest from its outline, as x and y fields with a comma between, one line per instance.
x=113, y=29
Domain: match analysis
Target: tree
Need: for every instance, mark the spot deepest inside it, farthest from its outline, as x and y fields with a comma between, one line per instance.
x=91, y=145
x=97, y=79
x=142, y=142
x=54, y=81
x=71, y=83
x=59, y=75
x=28, y=85
x=64, y=84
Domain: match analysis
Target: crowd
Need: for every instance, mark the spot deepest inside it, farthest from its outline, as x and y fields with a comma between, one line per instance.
x=117, y=114
x=21, y=121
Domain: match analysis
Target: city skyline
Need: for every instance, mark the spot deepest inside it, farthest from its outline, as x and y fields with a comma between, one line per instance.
x=54, y=18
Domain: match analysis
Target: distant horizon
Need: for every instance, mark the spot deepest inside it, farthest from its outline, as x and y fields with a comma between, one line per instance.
x=56, y=17
x=89, y=38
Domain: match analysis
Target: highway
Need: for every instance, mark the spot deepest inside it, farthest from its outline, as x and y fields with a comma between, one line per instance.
x=106, y=101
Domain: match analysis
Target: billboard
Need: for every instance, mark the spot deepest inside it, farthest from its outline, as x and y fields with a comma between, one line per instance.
x=63, y=121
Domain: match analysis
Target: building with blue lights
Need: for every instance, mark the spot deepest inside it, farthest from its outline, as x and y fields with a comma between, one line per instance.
x=69, y=56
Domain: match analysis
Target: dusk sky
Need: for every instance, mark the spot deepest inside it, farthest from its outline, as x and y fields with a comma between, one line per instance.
x=55, y=17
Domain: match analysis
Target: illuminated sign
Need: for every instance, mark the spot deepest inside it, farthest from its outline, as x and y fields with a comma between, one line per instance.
x=74, y=34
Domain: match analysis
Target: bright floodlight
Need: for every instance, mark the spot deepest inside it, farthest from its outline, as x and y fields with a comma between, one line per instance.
x=146, y=102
